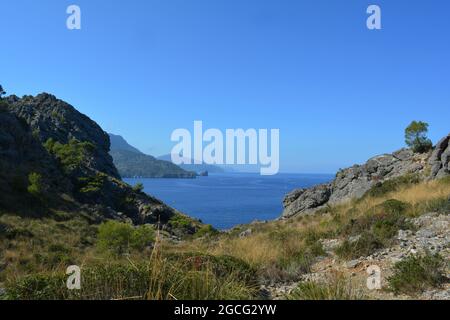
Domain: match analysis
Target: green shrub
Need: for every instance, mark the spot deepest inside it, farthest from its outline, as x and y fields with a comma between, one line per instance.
x=364, y=246
x=377, y=229
x=38, y=287
x=93, y=184
x=296, y=265
x=71, y=155
x=58, y=116
x=437, y=205
x=382, y=188
x=384, y=220
x=142, y=236
x=3, y=106
x=418, y=273
x=35, y=186
x=445, y=180
x=206, y=230
x=139, y=187
x=221, y=266
x=182, y=222
x=11, y=232
x=56, y=254
x=118, y=238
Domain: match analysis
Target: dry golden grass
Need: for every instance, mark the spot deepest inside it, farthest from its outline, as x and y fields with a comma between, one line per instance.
x=270, y=244
x=422, y=192
x=261, y=248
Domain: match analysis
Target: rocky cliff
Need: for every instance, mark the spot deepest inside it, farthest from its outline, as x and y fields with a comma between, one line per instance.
x=354, y=182
x=53, y=158
x=440, y=159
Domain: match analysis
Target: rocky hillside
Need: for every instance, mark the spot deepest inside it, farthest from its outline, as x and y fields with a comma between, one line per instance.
x=133, y=163
x=354, y=182
x=53, y=159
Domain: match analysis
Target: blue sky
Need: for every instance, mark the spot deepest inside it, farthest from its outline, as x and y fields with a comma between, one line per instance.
x=338, y=92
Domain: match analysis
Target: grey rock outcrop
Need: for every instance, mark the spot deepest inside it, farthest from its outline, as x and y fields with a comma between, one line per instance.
x=354, y=182
x=49, y=117
x=440, y=159
x=302, y=200
x=93, y=187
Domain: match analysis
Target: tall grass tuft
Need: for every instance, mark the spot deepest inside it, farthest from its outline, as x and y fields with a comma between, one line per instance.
x=334, y=288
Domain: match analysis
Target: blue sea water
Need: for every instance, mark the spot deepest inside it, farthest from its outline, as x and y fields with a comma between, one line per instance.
x=228, y=199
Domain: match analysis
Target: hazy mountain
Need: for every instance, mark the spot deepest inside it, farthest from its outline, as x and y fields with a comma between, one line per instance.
x=130, y=162
x=196, y=167
x=119, y=143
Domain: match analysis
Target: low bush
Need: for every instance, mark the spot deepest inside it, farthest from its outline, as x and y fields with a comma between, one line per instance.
x=119, y=238
x=182, y=222
x=383, y=188
x=35, y=186
x=418, y=273
x=441, y=205
x=206, y=230
x=376, y=229
x=336, y=288
x=70, y=155
x=93, y=184
x=364, y=246
x=138, y=187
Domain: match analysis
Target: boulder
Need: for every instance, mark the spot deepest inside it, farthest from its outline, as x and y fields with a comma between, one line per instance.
x=440, y=159
x=302, y=200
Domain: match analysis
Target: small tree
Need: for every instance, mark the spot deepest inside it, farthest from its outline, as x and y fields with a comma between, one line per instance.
x=416, y=137
x=2, y=92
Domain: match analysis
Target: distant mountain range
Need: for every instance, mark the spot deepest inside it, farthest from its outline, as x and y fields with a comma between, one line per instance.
x=131, y=162
x=195, y=167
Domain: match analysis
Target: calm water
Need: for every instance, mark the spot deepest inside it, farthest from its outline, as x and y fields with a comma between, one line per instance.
x=225, y=200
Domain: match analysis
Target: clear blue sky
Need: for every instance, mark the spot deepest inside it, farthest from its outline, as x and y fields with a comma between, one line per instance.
x=338, y=92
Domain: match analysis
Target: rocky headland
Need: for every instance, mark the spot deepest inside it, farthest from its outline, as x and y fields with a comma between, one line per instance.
x=354, y=182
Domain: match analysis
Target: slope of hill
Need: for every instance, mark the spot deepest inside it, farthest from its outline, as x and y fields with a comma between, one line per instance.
x=119, y=143
x=55, y=159
x=130, y=162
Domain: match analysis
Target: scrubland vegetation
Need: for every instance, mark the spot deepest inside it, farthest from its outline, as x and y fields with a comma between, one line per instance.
x=121, y=261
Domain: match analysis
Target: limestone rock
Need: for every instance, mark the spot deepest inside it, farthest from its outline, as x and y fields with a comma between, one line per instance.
x=302, y=200
x=354, y=182
x=440, y=159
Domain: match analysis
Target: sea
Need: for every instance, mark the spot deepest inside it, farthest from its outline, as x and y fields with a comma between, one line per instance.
x=225, y=200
